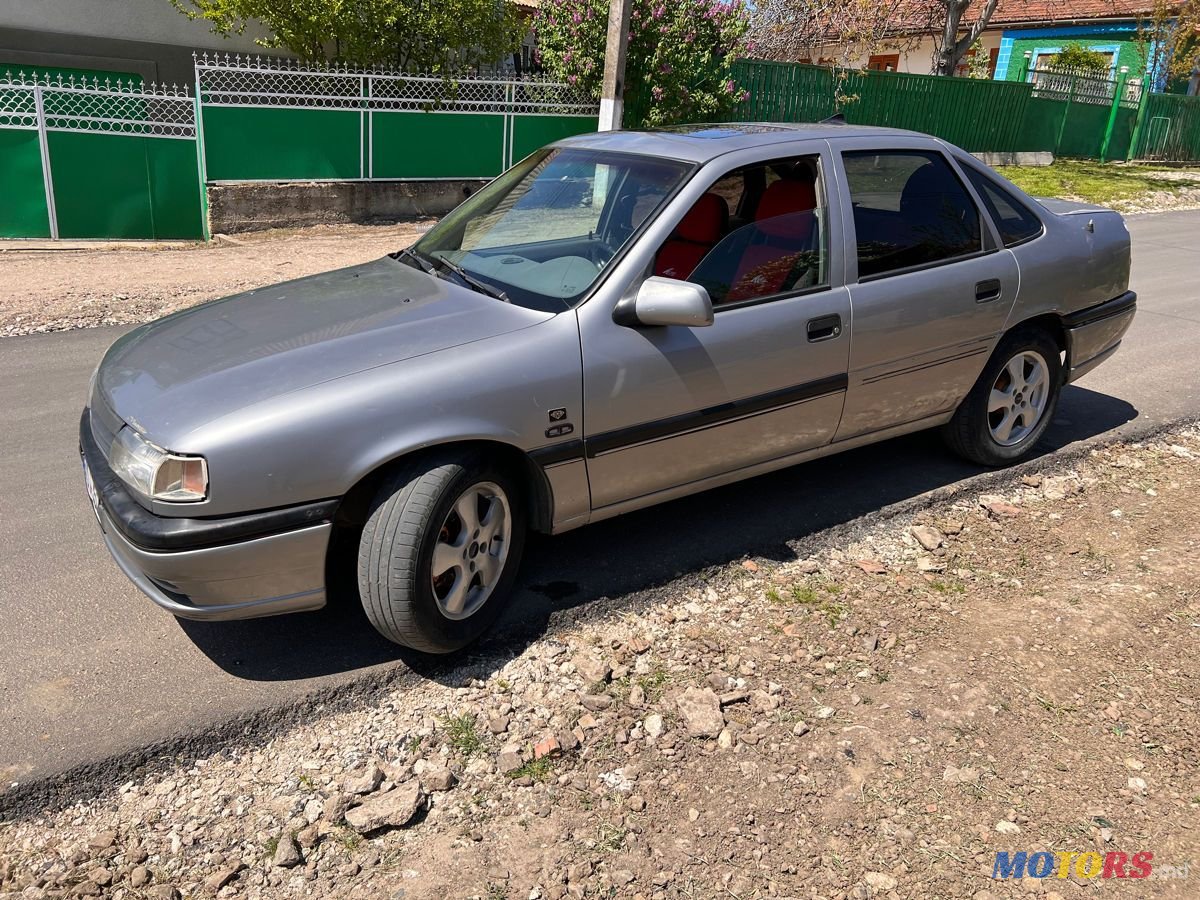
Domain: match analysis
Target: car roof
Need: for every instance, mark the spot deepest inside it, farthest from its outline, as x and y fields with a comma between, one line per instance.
x=703, y=142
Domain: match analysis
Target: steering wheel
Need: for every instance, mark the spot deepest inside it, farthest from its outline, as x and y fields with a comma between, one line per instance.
x=598, y=243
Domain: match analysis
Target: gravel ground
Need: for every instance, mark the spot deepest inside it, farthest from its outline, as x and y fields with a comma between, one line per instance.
x=1010, y=671
x=57, y=290
x=1187, y=196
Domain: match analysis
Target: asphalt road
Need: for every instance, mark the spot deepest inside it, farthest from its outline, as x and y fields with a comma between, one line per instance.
x=90, y=668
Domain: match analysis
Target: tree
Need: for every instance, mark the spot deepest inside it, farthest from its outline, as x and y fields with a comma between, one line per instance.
x=849, y=31
x=952, y=40
x=1169, y=39
x=840, y=32
x=979, y=63
x=680, y=58
x=1077, y=57
x=442, y=36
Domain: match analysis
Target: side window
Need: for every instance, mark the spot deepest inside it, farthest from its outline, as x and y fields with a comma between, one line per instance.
x=759, y=231
x=1014, y=220
x=910, y=210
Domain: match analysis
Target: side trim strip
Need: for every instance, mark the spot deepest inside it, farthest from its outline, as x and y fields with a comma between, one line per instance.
x=713, y=415
x=567, y=451
x=929, y=365
x=1109, y=308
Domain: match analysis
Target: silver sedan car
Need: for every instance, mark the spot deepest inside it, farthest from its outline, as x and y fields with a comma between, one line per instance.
x=618, y=320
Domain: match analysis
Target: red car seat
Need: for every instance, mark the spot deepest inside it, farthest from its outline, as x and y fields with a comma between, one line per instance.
x=697, y=232
x=784, y=224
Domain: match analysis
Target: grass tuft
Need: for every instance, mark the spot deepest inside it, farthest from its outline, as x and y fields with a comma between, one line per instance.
x=463, y=735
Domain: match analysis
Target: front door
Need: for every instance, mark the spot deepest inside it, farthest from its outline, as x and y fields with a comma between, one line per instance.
x=670, y=406
x=930, y=285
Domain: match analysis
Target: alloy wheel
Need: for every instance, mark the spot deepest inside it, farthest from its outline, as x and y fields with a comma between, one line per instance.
x=471, y=550
x=1018, y=398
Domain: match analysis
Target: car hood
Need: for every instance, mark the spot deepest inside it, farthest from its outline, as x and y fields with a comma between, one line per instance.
x=170, y=377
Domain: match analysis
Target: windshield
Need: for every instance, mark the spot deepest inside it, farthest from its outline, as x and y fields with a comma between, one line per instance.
x=542, y=232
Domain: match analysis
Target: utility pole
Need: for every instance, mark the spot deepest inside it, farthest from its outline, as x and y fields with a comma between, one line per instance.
x=612, y=98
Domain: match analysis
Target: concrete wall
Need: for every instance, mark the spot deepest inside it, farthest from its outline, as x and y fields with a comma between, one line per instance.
x=255, y=206
x=145, y=37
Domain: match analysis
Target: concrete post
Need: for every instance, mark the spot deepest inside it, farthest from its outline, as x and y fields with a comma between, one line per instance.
x=612, y=97
x=1139, y=125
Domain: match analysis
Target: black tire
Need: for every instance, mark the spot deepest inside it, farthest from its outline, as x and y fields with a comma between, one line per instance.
x=969, y=433
x=396, y=550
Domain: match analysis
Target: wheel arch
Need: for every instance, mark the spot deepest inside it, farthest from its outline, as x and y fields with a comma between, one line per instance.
x=538, y=496
x=1052, y=324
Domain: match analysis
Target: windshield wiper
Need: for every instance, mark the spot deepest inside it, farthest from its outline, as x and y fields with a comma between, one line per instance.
x=481, y=286
x=422, y=264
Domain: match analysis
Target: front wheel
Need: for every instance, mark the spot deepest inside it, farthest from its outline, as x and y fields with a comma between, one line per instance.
x=440, y=551
x=1012, y=403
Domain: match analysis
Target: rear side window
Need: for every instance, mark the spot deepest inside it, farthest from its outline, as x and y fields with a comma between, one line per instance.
x=910, y=210
x=1014, y=220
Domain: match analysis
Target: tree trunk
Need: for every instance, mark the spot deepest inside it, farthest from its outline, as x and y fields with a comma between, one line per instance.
x=950, y=46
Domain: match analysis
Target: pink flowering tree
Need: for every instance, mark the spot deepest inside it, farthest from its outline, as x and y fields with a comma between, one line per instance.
x=681, y=54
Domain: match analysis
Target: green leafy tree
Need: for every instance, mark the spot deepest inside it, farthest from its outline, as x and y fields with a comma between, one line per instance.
x=1077, y=57
x=1169, y=40
x=679, y=64
x=444, y=36
x=979, y=62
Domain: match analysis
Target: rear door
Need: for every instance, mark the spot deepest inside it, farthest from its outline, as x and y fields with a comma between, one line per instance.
x=930, y=285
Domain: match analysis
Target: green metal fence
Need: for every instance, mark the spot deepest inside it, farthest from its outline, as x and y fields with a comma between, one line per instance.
x=85, y=158
x=1170, y=129
x=273, y=120
x=97, y=159
x=81, y=158
x=1073, y=114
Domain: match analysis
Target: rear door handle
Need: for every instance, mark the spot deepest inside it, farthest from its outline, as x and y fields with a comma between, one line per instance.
x=987, y=291
x=824, y=328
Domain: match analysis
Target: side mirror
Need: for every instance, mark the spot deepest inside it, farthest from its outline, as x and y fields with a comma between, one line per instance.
x=667, y=301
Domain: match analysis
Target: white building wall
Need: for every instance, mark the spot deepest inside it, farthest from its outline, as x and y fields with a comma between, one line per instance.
x=916, y=54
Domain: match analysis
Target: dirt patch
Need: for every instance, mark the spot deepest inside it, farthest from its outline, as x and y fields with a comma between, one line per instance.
x=1007, y=672
x=58, y=290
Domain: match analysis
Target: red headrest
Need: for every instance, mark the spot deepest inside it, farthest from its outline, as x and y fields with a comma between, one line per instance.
x=705, y=222
x=784, y=197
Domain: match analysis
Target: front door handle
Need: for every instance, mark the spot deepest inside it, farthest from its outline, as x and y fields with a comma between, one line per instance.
x=987, y=291
x=824, y=328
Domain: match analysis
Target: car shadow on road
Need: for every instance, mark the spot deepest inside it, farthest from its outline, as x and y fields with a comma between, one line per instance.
x=761, y=517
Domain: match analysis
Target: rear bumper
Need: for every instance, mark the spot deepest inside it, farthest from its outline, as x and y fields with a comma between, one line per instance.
x=1094, y=334
x=213, y=569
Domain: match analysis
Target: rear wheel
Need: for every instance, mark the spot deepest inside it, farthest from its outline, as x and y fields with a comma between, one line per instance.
x=440, y=551
x=1012, y=403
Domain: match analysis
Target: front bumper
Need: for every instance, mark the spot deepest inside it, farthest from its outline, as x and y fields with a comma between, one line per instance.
x=236, y=567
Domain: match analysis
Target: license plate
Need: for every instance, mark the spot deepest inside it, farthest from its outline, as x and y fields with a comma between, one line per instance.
x=93, y=495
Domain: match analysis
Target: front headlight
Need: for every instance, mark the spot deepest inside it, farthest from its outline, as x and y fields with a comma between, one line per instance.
x=156, y=474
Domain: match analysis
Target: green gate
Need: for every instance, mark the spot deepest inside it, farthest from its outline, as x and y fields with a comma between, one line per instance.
x=273, y=120
x=98, y=159
x=1170, y=129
